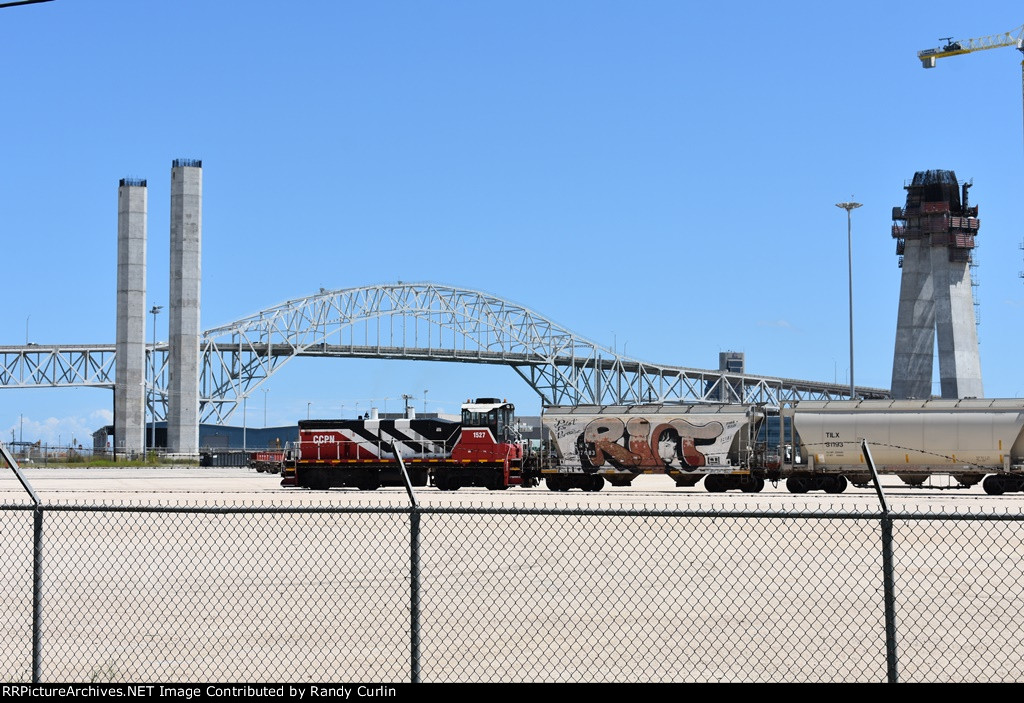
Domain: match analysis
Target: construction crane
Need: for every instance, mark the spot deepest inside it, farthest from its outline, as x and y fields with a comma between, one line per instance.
x=1015, y=37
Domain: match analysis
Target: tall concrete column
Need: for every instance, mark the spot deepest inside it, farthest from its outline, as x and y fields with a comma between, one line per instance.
x=130, y=354
x=956, y=328
x=183, y=318
x=936, y=243
x=915, y=324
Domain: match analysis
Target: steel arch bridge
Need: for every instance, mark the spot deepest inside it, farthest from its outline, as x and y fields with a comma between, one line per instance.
x=410, y=321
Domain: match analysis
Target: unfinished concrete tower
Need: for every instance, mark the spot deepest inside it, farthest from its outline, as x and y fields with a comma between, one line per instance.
x=130, y=350
x=183, y=320
x=934, y=235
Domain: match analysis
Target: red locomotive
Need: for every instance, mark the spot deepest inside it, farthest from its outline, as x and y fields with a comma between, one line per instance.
x=483, y=449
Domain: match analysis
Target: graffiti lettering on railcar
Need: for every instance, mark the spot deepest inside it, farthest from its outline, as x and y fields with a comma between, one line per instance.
x=563, y=428
x=637, y=443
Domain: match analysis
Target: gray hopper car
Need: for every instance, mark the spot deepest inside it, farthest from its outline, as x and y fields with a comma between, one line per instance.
x=970, y=440
x=812, y=445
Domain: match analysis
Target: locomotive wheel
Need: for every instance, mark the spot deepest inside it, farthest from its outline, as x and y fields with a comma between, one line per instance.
x=451, y=484
x=496, y=482
x=445, y=483
x=318, y=480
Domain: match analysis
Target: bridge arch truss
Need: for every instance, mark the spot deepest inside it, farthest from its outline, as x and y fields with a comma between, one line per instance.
x=411, y=321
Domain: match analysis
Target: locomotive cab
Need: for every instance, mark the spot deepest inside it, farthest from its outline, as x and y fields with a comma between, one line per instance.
x=492, y=414
x=489, y=452
x=488, y=432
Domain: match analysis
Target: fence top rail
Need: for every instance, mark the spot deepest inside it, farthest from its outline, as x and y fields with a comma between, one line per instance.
x=791, y=512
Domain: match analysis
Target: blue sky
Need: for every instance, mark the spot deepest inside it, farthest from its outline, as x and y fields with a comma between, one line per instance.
x=661, y=176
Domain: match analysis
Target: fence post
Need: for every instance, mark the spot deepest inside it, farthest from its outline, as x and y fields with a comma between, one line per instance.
x=37, y=564
x=37, y=591
x=414, y=573
x=888, y=573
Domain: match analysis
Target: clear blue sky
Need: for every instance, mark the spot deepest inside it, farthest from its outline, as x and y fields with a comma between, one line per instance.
x=661, y=176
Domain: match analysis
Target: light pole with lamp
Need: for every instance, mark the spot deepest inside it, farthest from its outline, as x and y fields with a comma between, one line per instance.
x=850, y=207
x=155, y=310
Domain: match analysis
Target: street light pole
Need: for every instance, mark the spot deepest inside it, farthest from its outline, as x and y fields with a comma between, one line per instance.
x=265, y=391
x=850, y=207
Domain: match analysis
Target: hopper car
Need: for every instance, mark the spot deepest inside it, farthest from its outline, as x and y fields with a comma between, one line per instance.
x=810, y=445
x=970, y=440
x=615, y=444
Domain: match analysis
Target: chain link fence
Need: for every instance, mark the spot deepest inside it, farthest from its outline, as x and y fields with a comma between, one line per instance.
x=459, y=594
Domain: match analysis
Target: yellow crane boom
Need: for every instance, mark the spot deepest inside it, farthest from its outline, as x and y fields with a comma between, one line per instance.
x=1015, y=37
